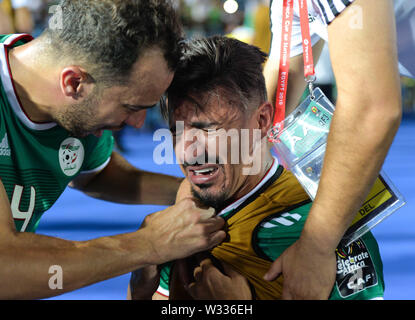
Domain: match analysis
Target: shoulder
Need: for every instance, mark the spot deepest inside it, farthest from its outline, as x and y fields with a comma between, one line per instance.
x=278, y=231
x=286, y=190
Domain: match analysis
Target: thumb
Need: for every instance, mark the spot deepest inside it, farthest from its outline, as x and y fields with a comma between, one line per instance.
x=274, y=271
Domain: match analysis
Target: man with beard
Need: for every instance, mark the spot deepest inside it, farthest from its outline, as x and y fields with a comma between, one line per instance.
x=218, y=97
x=99, y=66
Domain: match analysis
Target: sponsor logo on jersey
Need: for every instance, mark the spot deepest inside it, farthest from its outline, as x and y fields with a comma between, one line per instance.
x=355, y=269
x=71, y=156
x=4, y=147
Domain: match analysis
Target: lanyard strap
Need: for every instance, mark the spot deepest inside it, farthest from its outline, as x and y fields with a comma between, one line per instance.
x=307, y=48
x=309, y=73
x=287, y=18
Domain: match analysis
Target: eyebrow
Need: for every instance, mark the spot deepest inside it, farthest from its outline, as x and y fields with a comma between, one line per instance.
x=203, y=124
x=197, y=125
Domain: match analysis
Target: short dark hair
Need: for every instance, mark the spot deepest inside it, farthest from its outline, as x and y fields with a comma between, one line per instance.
x=218, y=62
x=110, y=35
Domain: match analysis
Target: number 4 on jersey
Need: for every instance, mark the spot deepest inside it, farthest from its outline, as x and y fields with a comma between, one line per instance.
x=15, y=206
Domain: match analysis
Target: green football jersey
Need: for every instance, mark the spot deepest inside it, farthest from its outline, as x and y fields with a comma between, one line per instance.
x=38, y=160
x=359, y=273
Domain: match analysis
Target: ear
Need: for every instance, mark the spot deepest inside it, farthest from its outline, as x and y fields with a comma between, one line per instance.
x=264, y=118
x=73, y=82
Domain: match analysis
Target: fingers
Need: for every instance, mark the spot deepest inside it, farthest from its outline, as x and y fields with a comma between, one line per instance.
x=198, y=274
x=206, y=214
x=274, y=271
x=192, y=289
x=205, y=267
x=210, y=283
x=213, y=224
x=202, y=275
x=216, y=238
x=182, y=230
x=213, y=227
x=191, y=204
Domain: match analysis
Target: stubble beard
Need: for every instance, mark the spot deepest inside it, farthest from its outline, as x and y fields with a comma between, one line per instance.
x=78, y=118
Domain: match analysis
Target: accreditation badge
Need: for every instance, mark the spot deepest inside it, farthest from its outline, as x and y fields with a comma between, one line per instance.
x=383, y=200
x=300, y=143
x=300, y=140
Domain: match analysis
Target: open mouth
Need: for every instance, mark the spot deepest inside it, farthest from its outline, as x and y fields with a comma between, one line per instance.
x=202, y=174
x=207, y=171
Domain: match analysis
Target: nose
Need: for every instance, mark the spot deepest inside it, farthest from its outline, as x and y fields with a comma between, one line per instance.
x=136, y=119
x=191, y=146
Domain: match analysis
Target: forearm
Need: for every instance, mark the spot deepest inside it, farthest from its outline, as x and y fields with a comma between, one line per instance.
x=26, y=259
x=356, y=148
x=367, y=116
x=123, y=183
x=136, y=187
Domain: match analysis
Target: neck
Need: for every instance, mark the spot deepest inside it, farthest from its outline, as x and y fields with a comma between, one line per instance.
x=32, y=81
x=252, y=180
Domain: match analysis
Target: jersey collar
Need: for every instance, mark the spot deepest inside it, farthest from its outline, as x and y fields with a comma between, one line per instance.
x=270, y=176
x=8, y=84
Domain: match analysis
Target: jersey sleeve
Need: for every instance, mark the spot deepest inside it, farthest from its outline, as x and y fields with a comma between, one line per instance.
x=359, y=266
x=276, y=11
x=99, y=156
x=330, y=9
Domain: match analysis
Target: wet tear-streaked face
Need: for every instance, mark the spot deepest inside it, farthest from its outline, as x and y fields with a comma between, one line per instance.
x=208, y=146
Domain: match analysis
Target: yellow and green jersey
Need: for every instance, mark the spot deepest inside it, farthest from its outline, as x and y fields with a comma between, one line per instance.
x=267, y=221
x=38, y=160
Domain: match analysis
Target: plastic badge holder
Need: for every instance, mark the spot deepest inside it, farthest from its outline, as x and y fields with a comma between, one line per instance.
x=300, y=142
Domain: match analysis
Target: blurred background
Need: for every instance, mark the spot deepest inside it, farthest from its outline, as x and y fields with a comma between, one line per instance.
x=78, y=217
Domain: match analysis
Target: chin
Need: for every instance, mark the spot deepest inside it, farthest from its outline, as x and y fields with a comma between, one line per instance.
x=210, y=198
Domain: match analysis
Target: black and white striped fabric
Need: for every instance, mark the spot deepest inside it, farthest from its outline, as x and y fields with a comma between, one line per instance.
x=332, y=8
x=323, y=12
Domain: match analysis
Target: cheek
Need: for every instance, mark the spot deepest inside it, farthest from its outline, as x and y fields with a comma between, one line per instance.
x=234, y=179
x=178, y=148
x=213, y=146
x=190, y=145
x=228, y=147
x=110, y=113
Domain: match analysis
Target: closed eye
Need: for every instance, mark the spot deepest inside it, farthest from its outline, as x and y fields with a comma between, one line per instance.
x=135, y=108
x=205, y=126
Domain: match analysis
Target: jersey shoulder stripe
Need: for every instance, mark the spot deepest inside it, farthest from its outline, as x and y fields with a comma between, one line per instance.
x=332, y=8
